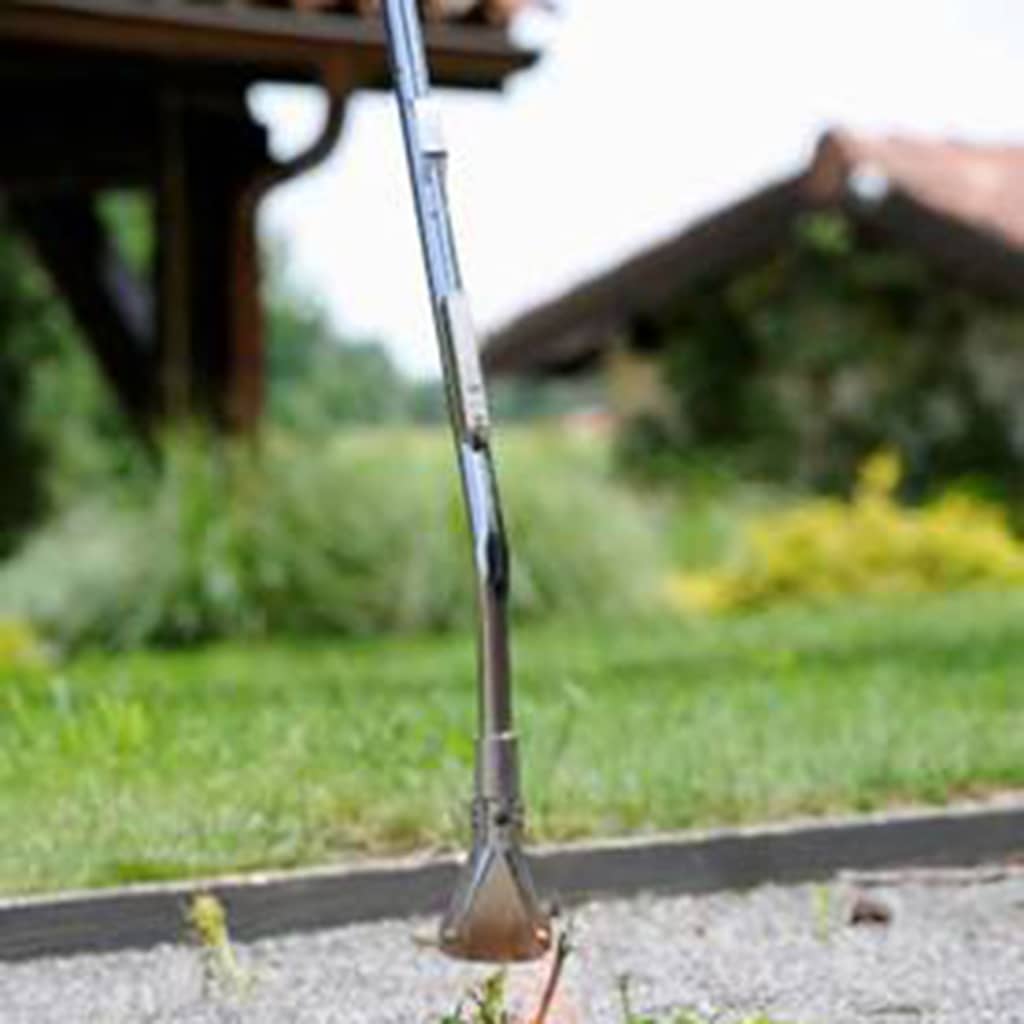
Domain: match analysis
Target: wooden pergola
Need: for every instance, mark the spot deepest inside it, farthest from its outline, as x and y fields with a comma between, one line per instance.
x=151, y=94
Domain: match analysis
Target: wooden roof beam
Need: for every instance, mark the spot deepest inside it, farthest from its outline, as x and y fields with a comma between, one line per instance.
x=111, y=134
x=270, y=44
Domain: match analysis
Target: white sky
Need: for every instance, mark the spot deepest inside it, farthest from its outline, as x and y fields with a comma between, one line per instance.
x=643, y=115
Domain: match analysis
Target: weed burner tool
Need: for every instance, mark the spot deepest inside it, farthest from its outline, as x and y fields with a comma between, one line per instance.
x=494, y=913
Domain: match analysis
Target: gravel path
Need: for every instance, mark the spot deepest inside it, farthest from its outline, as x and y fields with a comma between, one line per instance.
x=953, y=952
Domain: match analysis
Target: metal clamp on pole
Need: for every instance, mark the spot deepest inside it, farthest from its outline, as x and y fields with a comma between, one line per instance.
x=494, y=913
x=430, y=126
x=474, y=421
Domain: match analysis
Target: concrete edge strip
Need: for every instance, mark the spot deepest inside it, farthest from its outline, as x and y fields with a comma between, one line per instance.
x=139, y=917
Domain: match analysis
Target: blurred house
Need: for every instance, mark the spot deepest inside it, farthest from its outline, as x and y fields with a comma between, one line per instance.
x=874, y=297
x=151, y=95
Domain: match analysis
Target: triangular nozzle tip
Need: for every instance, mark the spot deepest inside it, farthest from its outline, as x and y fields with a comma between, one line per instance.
x=494, y=914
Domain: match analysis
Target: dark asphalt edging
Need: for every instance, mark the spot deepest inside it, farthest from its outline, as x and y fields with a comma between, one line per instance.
x=143, y=916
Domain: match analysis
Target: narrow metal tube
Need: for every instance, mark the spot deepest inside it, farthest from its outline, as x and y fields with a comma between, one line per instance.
x=494, y=913
x=490, y=555
x=427, y=157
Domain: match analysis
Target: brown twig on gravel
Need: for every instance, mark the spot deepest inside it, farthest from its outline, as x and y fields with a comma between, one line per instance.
x=562, y=951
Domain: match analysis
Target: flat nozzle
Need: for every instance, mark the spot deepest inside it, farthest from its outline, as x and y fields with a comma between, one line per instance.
x=494, y=914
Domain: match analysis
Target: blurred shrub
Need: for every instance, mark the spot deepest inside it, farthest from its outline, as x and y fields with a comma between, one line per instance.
x=20, y=646
x=870, y=545
x=358, y=537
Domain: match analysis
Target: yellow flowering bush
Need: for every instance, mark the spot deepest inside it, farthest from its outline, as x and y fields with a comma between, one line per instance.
x=870, y=545
x=20, y=646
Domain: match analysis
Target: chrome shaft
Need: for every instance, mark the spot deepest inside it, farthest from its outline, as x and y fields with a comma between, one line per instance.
x=494, y=913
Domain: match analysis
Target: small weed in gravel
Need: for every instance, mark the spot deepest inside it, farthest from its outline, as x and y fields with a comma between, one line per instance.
x=208, y=924
x=629, y=1016
x=488, y=1004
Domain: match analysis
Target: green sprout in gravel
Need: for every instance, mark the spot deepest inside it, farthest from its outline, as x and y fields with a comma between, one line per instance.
x=629, y=1016
x=824, y=911
x=489, y=1003
x=208, y=923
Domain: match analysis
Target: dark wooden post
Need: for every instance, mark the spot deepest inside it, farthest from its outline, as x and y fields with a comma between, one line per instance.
x=210, y=320
x=108, y=300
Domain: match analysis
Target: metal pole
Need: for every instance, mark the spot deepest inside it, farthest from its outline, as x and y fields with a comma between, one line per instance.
x=494, y=914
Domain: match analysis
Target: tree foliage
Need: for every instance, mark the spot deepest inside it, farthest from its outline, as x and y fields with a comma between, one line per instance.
x=318, y=380
x=25, y=340
x=838, y=345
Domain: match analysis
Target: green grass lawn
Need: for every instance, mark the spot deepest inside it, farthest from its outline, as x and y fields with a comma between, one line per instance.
x=161, y=765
